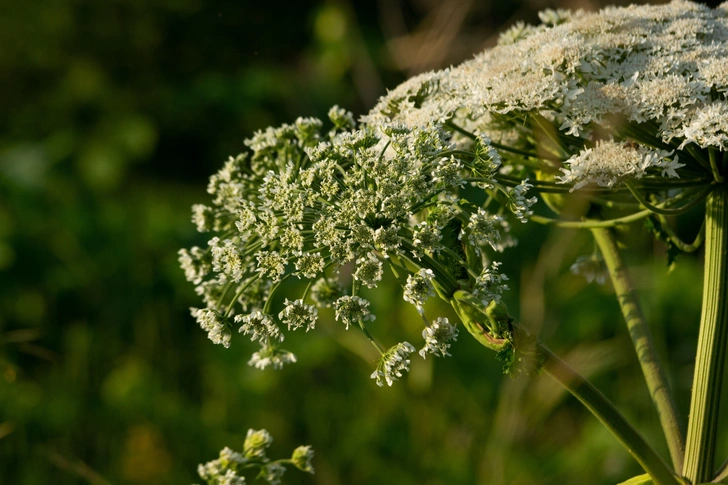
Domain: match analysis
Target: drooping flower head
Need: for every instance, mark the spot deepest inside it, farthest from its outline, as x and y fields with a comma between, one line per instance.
x=623, y=101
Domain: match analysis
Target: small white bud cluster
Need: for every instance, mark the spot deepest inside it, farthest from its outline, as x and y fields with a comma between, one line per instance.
x=438, y=336
x=490, y=284
x=369, y=270
x=270, y=356
x=518, y=203
x=419, y=288
x=217, y=328
x=231, y=465
x=352, y=309
x=297, y=314
x=259, y=326
x=392, y=363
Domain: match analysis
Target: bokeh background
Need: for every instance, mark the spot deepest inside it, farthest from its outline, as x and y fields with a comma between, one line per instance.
x=112, y=116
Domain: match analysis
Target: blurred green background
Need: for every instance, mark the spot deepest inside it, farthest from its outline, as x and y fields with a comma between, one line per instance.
x=114, y=114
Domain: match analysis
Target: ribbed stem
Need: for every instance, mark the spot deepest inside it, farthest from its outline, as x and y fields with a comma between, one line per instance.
x=639, y=331
x=711, y=353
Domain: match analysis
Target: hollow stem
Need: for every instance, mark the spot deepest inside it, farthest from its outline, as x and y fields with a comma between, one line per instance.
x=639, y=331
x=712, y=336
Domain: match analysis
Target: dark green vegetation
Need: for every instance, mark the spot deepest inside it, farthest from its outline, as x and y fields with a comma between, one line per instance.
x=113, y=116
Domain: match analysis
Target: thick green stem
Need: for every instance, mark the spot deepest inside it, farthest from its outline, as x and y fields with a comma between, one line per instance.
x=711, y=353
x=653, y=371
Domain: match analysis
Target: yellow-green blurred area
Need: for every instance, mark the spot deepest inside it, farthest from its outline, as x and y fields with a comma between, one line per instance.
x=112, y=116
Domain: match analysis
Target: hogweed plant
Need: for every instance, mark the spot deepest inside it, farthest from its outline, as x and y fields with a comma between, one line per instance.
x=609, y=118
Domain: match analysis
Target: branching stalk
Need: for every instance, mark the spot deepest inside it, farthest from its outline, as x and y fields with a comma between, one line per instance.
x=679, y=243
x=711, y=353
x=591, y=224
x=639, y=331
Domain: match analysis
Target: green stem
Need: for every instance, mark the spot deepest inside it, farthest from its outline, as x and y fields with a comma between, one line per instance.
x=591, y=224
x=668, y=212
x=711, y=353
x=714, y=165
x=722, y=473
x=653, y=371
x=610, y=417
x=584, y=391
x=679, y=243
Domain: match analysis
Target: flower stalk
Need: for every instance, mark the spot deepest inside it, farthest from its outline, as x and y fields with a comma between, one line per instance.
x=639, y=331
x=572, y=381
x=712, y=337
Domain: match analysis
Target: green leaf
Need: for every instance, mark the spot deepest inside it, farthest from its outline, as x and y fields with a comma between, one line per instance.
x=638, y=480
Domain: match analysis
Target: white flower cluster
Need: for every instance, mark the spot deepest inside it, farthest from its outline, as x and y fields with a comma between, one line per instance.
x=297, y=314
x=352, y=310
x=393, y=362
x=302, y=457
x=591, y=268
x=426, y=184
x=259, y=326
x=518, y=203
x=419, y=288
x=485, y=228
x=609, y=162
x=490, y=284
x=660, y=71
x=270, y=356
x=438, y=336
x=214, y=324
x=303, y=203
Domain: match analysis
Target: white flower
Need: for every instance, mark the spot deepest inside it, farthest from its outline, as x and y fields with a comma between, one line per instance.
x=369, y=270
x=216, y=326
x=518, y=203
x=351, y=309
x=269, y=356
x=610, y=162
x=259, y=326
x=326, y=291
x=419, y=288
x=302, y=457
x=297, y=314
x=310, y=265
x=393, y=363
x=438, y=336
x=490, y=284
x=256, y=443
x=484, y=228
x=591, y=268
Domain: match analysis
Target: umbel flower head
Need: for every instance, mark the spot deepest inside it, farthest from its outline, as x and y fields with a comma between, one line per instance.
x=626, y=102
